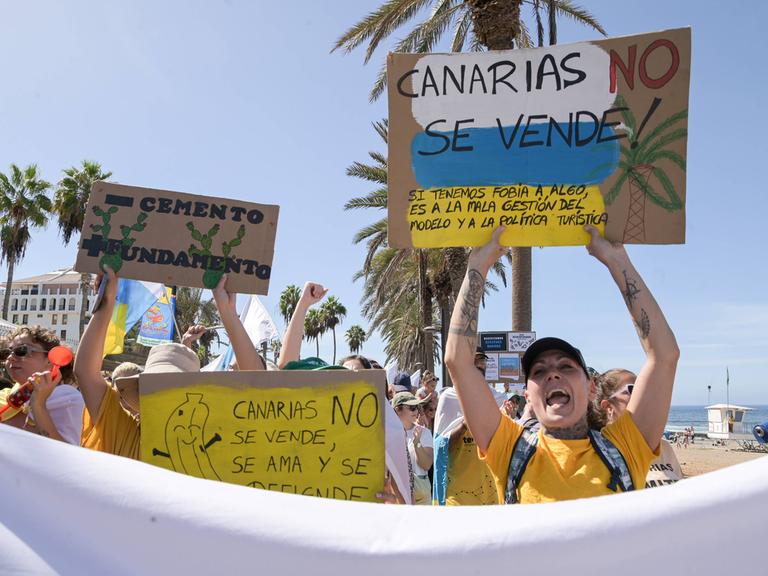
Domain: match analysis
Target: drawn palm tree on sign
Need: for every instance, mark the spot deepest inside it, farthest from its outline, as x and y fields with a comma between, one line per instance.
x=638, y=164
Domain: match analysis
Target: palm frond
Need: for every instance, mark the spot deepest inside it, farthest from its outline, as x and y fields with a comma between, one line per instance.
x=376, y=199
x=367, y=172
x=665, y=140
x=616, y=188
x=667, y=155
x=578, y=14
x=460, y=32
x=368, y=231
x=675, y=202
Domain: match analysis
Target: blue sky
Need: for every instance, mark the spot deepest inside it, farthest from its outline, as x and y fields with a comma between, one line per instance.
x=243, y=99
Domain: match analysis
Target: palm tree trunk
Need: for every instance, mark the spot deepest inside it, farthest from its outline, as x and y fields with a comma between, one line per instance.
x=317, y=348
x=634, y=231
x=8, y=286
x=521, y=289
x=85, y=281
x=425, y=301
x=333, y=330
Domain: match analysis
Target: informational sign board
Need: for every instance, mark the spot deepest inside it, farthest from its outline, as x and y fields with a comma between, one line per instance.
x=178, y=239
x=493, y=341
x=316, y=433
x=505, y=351
x=543, y=141
x=519, y=341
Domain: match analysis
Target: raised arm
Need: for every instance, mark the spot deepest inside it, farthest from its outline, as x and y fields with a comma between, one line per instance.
x=291, y=345
x=90, y=352
x=480, y=410
x=652, y=395
x=247, y=356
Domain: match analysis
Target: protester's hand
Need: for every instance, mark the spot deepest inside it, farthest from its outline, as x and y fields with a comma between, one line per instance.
x=42, y=387
x=483, y=257
x=312, y=294
x=224, y=298
x=602, y=249
x=389, y=495
x=193, y=334
x=417, y=434
x=110, y=290
x=509, y=409
x=422, y=419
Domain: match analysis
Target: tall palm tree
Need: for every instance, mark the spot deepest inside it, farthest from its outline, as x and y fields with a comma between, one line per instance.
x=355, y=337
x=289, y=298
x=69, y=204
x=640, y=161
x=332, y=313
x=314, y=327
x=24, y=204
x=478, y=24
x=192, y=309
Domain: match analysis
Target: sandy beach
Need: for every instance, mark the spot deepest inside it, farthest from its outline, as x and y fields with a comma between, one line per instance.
x=702, y=457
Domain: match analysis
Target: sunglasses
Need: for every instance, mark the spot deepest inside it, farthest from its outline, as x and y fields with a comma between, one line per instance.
x=411, y=408
x=626, y=391
x=20, y=351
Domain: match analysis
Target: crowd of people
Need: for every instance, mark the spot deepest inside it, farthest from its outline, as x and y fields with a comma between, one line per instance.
x=574, y=432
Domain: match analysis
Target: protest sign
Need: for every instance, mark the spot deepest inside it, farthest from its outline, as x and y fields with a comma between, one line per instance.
x=178, y=239
x=509, y=366
x=543, y=141
x=317, y=433
x=157, y=324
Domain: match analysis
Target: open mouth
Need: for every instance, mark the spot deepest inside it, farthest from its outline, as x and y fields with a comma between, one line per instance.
x=558, y=397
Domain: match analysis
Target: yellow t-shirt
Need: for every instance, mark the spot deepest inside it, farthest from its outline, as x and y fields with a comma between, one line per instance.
x=567, y=469
x=469, y=481
x=115, y=430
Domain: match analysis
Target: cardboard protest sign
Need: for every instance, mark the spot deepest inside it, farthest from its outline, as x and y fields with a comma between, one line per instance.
x=178, y=239
x=543, y=141
x=317, y=433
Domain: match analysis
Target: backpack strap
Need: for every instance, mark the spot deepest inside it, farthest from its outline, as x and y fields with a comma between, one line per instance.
x=521, y=455
x=613, y=460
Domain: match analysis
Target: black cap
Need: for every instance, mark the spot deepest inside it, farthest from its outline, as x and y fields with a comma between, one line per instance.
x=545, y=345
x=480, y=353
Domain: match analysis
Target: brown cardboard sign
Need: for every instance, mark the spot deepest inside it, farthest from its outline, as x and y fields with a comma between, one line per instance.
x=543, y=141
x=178, y=239
x=315, y=433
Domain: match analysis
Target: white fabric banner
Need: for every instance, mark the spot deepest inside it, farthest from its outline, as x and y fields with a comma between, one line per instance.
x=67, y=510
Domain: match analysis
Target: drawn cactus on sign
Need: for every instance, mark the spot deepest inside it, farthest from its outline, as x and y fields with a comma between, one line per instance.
x=115, y=261
x=212, y=274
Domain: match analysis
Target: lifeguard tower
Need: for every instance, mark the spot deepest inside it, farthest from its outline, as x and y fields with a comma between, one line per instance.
x=726, y=421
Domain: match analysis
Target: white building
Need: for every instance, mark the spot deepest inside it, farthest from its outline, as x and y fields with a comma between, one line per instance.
x=50, y=300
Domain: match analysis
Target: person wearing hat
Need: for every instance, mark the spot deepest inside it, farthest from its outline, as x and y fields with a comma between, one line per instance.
x=420, y=445
x=565, y=460
x=107, y=425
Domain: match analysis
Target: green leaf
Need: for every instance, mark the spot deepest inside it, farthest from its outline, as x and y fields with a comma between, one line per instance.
x=98, y=211
x=616, y=188
x=143, y=216
x=662, y=126
x=138, y=227
x=240, y=232
x=112, y=209
x=195, y=233
x=663, y=141
x=225, y=248
x=675, y=202
x=234, y=242
x=194, y=251
x=125, y=231
x=205, y=241
x=95, y=227
x=213, y=231
x=668, y=155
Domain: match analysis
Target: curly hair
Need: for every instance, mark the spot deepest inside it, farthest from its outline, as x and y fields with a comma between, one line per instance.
x=48, y=340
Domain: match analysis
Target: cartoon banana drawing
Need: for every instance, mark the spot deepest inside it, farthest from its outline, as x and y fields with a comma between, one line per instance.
x=184, y=439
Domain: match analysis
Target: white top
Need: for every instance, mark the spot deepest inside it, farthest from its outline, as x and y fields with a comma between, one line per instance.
x=65, y=405
x=425, y=440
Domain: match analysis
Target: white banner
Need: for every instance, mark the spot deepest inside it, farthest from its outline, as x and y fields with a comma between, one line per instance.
x=67, y=510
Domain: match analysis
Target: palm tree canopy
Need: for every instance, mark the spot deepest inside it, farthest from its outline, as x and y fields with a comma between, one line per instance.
x=289, y=298
x=332, y=312
x=313, y=324
x=355, y=336
x=72, y=194
x=23, y=204
x=493, y=24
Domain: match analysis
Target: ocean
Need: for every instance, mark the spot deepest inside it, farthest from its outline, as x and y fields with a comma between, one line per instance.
x=681, y=417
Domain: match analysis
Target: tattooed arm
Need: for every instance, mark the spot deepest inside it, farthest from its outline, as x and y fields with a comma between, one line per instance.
x=652, y=395
x=481, y=414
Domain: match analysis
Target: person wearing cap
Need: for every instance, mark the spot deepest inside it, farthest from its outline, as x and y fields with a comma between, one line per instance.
x=107, y=425
x=567, y=462
x=402, y=383
x=420, y=446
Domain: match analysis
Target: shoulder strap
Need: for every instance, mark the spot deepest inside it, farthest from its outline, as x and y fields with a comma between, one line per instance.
x=613, y=460
x=521, y=455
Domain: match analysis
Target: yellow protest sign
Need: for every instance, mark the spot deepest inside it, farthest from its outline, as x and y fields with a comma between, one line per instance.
x=315, y=433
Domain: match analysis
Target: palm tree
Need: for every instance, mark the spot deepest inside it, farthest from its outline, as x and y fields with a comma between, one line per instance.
x=355, y=337
x=480, y=24
x=332, y=313
x=69, y=203
x=24, y=204
x=289, y=298
x=192, y=309
x=639, y=162
x=314, y=327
